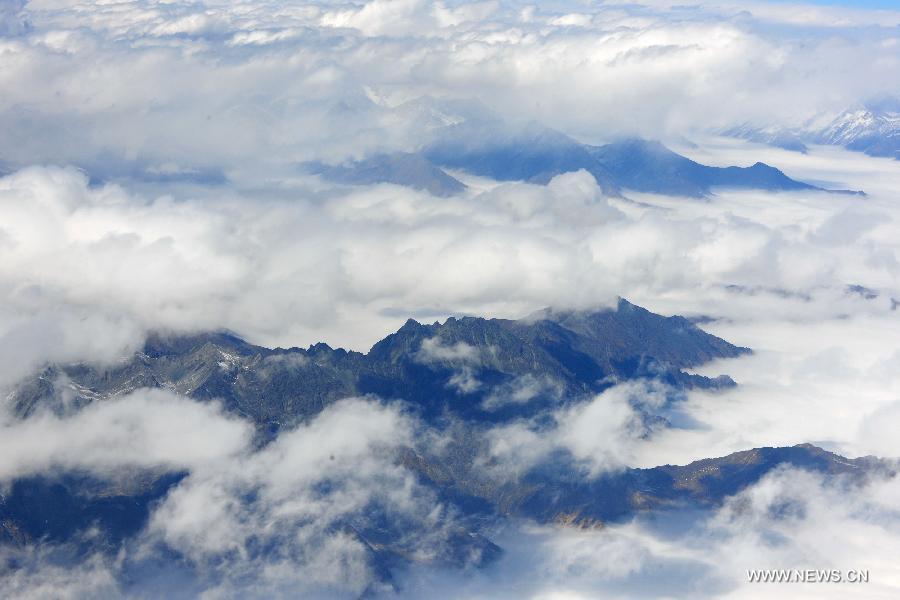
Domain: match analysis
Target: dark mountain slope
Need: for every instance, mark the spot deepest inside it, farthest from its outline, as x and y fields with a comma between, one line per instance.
x=557, y=492
x=59, y=508
x=631, y=330
x=452, y=366
x=62, y=508
x=646, y=166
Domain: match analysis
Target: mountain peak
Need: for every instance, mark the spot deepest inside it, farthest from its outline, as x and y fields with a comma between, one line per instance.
x=412, y=325
x=872, y=128
x=581, y=352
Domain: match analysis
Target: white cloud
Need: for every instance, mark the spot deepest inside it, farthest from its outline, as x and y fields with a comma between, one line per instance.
x=522, y=390
x=830, y=381
x=38, y=577
x=297, y=268
x=248, y=89
x=463, y=358
x=149, y=429
x=202, y=111
x=287, y=516
x=602, y=434
x=434, y=350
x=294, y=516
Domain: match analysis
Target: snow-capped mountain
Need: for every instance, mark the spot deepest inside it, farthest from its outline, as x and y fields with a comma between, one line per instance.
x=874, y=132
x=873, y=129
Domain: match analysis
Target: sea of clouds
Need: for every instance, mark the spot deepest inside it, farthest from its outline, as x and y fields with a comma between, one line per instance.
x=150, y=181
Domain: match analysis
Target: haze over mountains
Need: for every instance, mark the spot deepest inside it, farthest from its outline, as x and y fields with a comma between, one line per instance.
x=488, y=147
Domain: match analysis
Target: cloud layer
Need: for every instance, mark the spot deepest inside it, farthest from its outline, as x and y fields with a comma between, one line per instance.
x=150, y=180
x=349, y=267
x=201, y=91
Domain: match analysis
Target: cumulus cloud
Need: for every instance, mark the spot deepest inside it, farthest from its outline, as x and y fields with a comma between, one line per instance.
x=285, y=515
x=349, y=266
x=148, y=429
x=602, y=434
x=283, y=260
x=303, y=513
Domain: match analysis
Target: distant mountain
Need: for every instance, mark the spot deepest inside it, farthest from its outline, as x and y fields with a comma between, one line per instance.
x=873, y=129
x=484, y=145
x=560, y=493
x=787, y=139
x=876, y=133
x=451, y=367
x=533, y=153
x=410, y=170
x=536, y=154
x=646, y=166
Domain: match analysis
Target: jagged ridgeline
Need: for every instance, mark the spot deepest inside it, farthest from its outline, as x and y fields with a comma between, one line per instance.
x=459, y=380
x=453, y=368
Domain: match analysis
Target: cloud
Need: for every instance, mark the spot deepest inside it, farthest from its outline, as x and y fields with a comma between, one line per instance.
x=791, y=520
x=298, y=497
x=346, y=266
x=463, y=358
x=176, y=204
x=148, y=429
x=601, y=434
x=211, y=91
x=830, y=381
x=522, y=390
x=434, y=350
x=37, y=576
x=302, y=514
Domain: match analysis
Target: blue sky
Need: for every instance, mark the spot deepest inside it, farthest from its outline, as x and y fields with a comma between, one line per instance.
x=857, y=3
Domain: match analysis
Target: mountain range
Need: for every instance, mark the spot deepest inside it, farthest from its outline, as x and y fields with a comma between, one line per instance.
x=489, y=147
x=873, y=129
x=572, y=354
x=460, y=379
